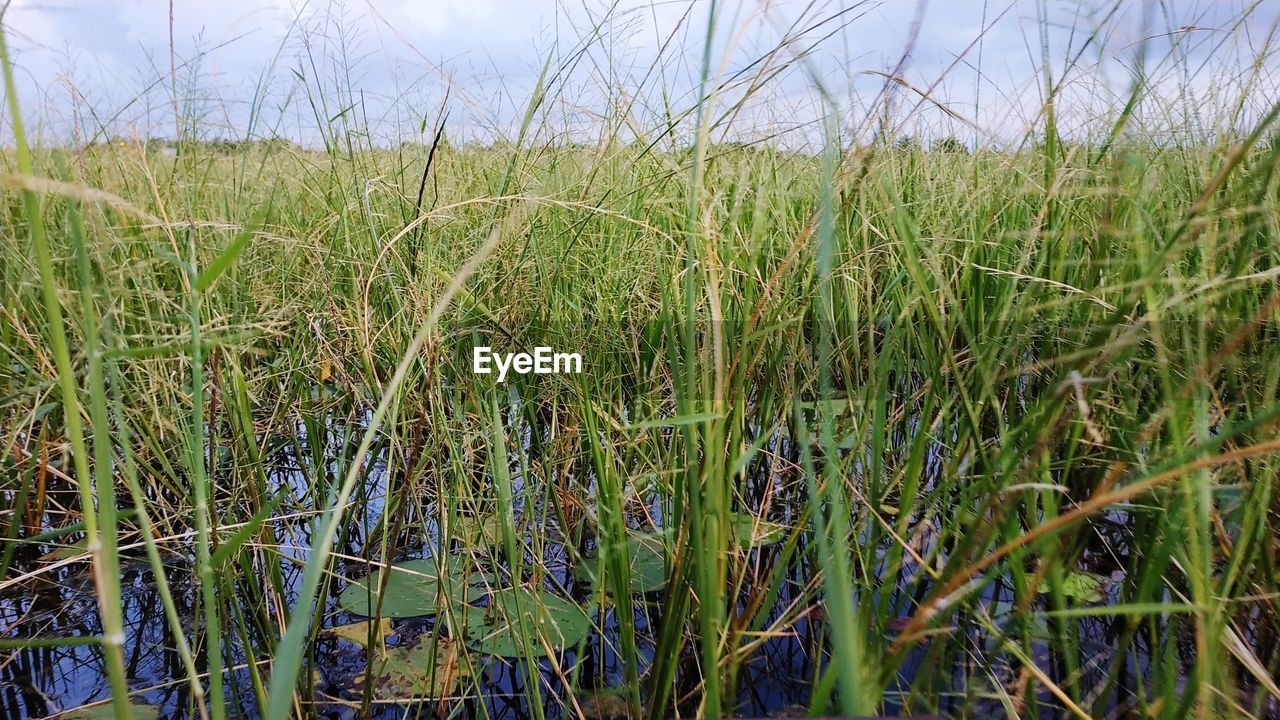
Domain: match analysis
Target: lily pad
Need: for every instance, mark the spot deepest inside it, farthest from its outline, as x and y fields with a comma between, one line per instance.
x=471, y=529
x=1080, y=586
x=648, y=562
x=1033, y=625
x=429, y=670
x=749, y=531
x=415, y=588
x=358, y=632
x=550, y=621
x=648, y=554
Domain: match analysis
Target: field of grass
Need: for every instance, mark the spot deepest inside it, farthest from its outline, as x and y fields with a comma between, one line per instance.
x=885, y=428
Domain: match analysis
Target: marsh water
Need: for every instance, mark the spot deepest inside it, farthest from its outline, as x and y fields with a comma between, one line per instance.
x=776, y=679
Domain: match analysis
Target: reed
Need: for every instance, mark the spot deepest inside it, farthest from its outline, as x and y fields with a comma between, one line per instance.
x=916, y=428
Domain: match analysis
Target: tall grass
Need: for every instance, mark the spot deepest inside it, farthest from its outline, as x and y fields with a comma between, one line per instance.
x=1006, y=415
x=96, y=486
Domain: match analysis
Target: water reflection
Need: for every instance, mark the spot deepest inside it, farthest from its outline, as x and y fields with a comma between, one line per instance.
x=778, y=675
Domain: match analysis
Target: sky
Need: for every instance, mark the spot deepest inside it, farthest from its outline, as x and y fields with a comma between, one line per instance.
x=303, y=69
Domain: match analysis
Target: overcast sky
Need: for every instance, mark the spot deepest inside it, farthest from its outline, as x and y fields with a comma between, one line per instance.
x=388, y=63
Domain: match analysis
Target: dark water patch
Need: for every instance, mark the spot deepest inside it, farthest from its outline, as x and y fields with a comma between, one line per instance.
x=790, y=640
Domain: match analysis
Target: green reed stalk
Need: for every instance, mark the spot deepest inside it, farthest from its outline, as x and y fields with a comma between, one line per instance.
x=103, y=372
x=289, y=651
x=103, y=549
x=615, y=557
x=829, y=508
x=103, y=465
x=513, y=548
x=1006, y=334
x=202, y=490
x=139, y=497
x=704, y=477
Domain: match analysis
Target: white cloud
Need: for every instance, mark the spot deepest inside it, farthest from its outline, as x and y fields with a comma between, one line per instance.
x=387, y=52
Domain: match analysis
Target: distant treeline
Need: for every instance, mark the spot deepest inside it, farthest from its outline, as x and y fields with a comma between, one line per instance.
x=949, y=145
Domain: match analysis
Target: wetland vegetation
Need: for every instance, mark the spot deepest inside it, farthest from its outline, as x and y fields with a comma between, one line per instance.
x=872, y=426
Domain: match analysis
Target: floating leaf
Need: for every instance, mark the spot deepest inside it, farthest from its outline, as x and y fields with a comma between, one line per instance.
x=358, y=632
x=549, y=620
x=104, y=711
x=429, y=670
x=648, y=562
x=471, y=529
x=1079, y=586
x=1034, y=626
x=749, y=531
x=415, y=588
x=648, y=554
